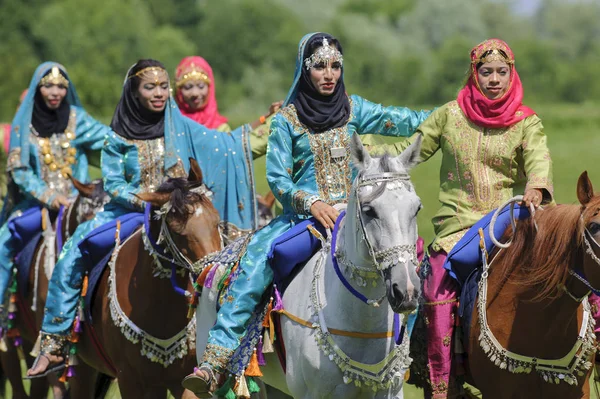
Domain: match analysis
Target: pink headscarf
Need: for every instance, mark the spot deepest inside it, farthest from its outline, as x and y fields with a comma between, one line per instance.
x=6, y=126
x=208, y=115
x=499, y=113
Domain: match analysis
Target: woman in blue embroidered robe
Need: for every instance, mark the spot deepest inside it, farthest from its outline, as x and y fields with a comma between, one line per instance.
x=151, y=142
x=308, y=170
x=50, y=136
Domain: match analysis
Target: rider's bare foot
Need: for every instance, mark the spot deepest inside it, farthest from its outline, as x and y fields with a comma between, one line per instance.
x=43, y=362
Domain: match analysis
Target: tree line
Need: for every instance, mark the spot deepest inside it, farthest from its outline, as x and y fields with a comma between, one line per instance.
x=403, y=52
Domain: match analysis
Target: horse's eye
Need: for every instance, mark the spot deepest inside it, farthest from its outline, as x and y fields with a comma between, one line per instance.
x=594, y=228
x=369, y=211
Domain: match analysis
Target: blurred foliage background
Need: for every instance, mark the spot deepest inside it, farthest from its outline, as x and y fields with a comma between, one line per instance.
x=397, y=52
x=400, y=52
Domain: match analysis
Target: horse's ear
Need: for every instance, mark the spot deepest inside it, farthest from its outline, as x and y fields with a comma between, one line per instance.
x=195, y=175
x=156, y=199
x=86, y=190
x=585, y=191
x=360, y=155
x=410, y=156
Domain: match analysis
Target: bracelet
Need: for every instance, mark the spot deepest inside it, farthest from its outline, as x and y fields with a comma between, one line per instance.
x=262, y=119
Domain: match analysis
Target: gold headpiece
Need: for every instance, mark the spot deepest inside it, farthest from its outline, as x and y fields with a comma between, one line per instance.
x=325, y=54
x=149, y=73
x=193, y=73
x=494, y=55
x=54, y=78
x=492, y=50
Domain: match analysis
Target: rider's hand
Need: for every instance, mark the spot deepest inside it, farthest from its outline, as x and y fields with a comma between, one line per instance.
x=533, y=196
x=60, y=200
x=324, y=213
x=274, y=107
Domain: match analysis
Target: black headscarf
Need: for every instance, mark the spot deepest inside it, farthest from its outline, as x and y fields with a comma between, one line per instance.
x=48, y=121
x=131, y=119
x=318, y=112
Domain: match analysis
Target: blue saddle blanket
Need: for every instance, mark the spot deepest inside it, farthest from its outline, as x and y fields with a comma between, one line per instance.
x=97, y=247
x=25, y=227
x=466, y=254
x=293, y=248
x=464, y=261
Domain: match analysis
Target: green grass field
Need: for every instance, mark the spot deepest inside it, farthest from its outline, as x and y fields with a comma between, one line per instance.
x=573, y=134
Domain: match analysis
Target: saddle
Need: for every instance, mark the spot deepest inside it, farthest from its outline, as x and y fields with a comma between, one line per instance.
x=26, y=232
x=464, y=262
x=97, y=248
x=293, y=249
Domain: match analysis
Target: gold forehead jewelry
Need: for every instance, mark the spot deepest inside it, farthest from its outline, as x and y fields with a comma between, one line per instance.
x=149, y=73
x=194, y=73
x=325, y=54
x=494, y=55
x=54, y=78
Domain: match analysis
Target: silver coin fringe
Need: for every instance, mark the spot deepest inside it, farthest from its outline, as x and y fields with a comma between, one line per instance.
x=162, y=351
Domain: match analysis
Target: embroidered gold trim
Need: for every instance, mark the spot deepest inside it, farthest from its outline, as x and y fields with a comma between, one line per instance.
x=217, y=357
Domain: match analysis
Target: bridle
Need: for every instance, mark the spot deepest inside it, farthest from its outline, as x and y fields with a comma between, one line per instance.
x=579, y=275
x=169, y=251
x=382, y=259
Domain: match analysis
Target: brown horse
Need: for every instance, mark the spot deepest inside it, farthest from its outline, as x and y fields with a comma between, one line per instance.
x=534, y=305
x=90, y=199
x=132, y=303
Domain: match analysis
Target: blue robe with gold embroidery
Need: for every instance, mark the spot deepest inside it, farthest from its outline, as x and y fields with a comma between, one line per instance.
x=34, y=181
x=130, y=167
x=301, y=167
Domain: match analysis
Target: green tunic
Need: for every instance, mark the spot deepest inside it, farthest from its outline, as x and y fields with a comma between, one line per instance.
x=481, y=168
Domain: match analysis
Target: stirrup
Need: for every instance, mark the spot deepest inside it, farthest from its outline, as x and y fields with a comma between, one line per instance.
x=51, y=369
x=201, y=387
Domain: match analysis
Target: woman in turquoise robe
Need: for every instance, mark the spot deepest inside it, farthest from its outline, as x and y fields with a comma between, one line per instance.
x=308, y=170
x=46, y=145
x=146, y=147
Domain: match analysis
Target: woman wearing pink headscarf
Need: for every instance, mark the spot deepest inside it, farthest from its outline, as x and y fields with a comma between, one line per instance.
x=493, y=148
x=195, y=95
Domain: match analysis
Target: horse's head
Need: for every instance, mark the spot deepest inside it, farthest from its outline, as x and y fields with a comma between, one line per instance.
x=189, y=221
x=91, y=199
x=387, y=205
x=590, y=217
x=265, y=209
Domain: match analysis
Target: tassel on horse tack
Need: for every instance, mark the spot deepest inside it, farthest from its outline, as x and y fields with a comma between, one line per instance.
x=44, y=217
x=252, y=386
x=259, y=352
x=192, y=305
x=241, y=389
x=35, y=352
x=278, y=301
x=267, y=344
x=267, y=320
x=84, y=286
x=64, y=376
x=202, y=277
x=253, y=369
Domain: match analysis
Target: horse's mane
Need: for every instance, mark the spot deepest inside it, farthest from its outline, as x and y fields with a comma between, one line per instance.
x=183, y=199
x=542, y=258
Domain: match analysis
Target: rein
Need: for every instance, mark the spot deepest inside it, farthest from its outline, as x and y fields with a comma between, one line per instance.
x=178, y=259
x=575, y=363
